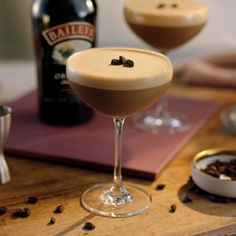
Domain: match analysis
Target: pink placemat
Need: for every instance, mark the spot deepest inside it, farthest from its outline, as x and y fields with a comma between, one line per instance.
x=92, y=144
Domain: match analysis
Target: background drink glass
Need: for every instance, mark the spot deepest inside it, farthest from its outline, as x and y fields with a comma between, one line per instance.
x=164, y=25
x=118, y=91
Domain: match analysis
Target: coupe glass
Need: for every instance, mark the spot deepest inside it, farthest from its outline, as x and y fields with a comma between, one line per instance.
x=118, y=91
x=164, y=25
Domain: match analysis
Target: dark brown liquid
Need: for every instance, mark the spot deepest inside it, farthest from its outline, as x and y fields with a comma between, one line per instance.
x=166, y=37
x=119, y=102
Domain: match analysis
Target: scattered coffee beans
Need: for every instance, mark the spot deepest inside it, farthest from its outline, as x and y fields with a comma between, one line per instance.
x=161, y=5
x=3, y=210
x=174, y=5
x=88, y=226
x=186, y=199
x=218, y=199
x=32, y=200
x=212, y=197
x=160, y=187
x=52, y=221
x=22, y=213
x=26, y=212
x=172, y=208
x=59, y=209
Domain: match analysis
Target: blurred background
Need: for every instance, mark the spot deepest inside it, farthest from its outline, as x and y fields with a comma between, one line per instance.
x=218, y=36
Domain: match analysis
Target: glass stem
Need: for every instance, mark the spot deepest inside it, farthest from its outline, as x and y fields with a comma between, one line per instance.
x=117, y=181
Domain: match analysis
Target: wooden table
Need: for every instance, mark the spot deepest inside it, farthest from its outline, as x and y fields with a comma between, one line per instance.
x=57, y=184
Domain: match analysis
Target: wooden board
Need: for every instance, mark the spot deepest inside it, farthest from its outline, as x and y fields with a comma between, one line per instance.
x=58, y=184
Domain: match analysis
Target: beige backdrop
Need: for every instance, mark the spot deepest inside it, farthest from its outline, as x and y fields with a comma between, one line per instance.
x=217, y=37
x=15, y=29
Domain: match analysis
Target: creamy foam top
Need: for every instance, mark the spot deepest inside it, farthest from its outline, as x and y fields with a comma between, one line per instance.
x=185, y=13
x=92, y=68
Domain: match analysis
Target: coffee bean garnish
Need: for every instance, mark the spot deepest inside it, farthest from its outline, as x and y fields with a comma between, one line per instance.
x=32, y=200
x=186, y=199
x=128, y=63
x=161, y=5
x=52, y=221
x=172, y=208
x=160, y=187
x=122, y=60
x=88, y=226
x=115, y=62
x=3, y=210
x=59, y=209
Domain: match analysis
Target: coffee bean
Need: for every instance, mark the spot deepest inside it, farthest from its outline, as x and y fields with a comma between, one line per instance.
x=212, y=197
x=59, y=209
x=3, y=210
x=161, y=5
x=172, y=208
x=160, y=187
x=218, y=199
x=174, y=5
x=32, y=200
x=22, y=213
x=122, y=59
x=219, y=168
x=186, y=199
x=192, y=186
x=52, y=221
x=25, y=212
x=88, y=226
x=128, y=63
x=16, y=213
x=115, y=62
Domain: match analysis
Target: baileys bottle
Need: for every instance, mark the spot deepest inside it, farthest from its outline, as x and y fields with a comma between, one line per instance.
x=61, y=28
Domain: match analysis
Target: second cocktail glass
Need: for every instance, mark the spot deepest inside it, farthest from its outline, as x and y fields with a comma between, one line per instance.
x=165, y=25
x=134, y=80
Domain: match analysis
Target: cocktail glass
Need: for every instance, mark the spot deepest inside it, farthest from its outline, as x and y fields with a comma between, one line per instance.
x=165, y=25
x=118, y=91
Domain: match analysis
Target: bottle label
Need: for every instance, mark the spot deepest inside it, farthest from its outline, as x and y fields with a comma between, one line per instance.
x=64, y=40
x=71, y=30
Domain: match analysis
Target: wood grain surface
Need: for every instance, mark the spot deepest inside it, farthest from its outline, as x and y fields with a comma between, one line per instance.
x=56, y=184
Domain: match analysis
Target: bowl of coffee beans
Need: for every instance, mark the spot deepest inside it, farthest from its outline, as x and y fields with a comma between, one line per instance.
x=214, y=171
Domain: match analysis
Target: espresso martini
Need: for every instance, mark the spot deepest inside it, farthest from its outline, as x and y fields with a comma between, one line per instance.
x=118, y=82
x=116, y=90
x=166, y=24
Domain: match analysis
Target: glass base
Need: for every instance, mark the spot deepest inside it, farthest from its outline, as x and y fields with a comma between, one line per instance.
x=101, y=199
x=160, y=123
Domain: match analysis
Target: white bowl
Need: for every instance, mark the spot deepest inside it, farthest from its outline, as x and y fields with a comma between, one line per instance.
x=226, y=188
